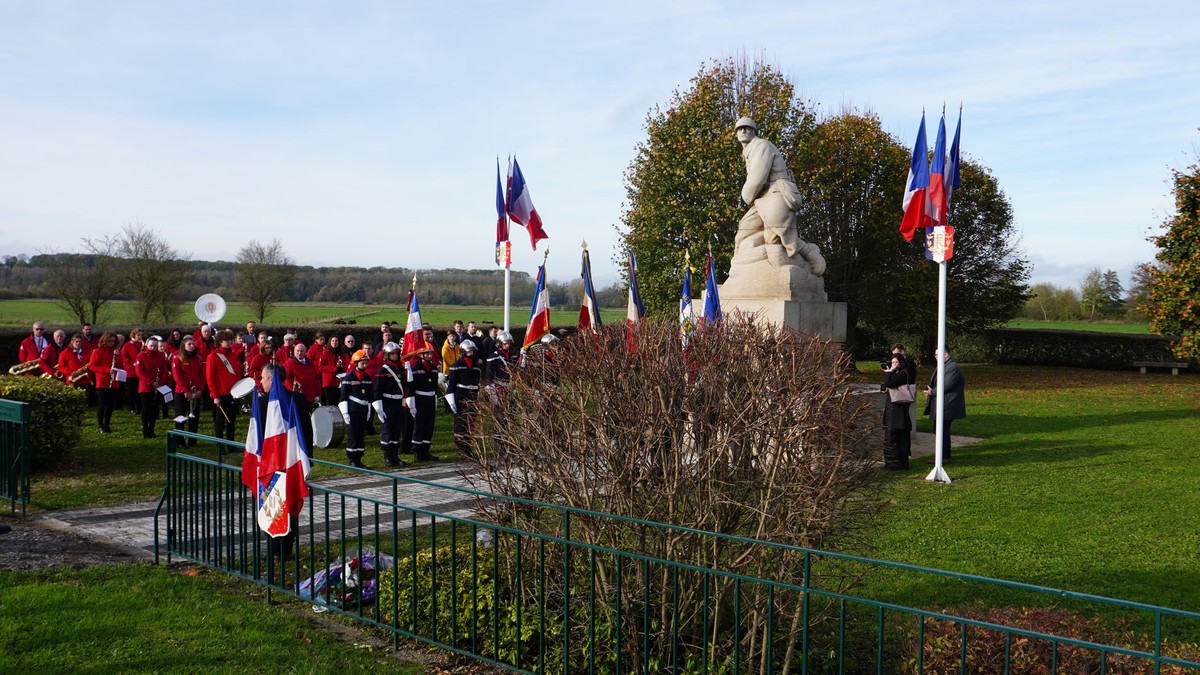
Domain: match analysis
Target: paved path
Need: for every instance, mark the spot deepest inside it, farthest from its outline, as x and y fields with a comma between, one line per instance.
x=133, y=524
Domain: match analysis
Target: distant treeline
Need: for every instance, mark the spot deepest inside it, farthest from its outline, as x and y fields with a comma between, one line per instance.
x=25, y=277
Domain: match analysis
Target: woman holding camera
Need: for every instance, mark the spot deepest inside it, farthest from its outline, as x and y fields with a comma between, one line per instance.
x=898, y=385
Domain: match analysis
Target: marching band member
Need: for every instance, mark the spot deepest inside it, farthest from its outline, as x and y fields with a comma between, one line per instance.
x=423, y=388
x=49, y=360
x=32, y=346
x=317, y=347
x=330, y=364
x=90, y=340
x=70, y=362
x=168, y=380
x=462, y=390
x=389, y=405
x=104, y=361
x=355, y=406
x=264, y=355
x=188, y=371
x=151, y=366
x=304, y=381
x=222, y=371
x=129, y=355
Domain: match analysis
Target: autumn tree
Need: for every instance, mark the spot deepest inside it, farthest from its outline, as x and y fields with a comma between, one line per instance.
x=155, y=272
x=683, y=186
x=263, y=272
x=1048, y=302
x=1175, y=281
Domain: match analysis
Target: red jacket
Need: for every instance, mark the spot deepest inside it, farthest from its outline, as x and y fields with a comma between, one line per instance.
x=130, y=351
x=101, y=362
x=68, y=363
x=49, y=362
x=89, y=345
x=151, y=367
x=257, y=363
x=188, y=376
x=29, y=351
x=203, y=349
x=329, y=365
x=306, y=374
x=220, y=379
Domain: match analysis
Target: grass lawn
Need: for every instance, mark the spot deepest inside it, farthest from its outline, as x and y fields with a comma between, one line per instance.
x=1089, y=481
x=1097, y=326
x=141, y=618
x=25, y=312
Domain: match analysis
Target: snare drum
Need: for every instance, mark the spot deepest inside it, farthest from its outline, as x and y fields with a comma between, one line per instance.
x=242, y=387
x=329, y=428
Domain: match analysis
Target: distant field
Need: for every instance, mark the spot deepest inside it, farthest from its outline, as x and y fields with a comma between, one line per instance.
x=1099, y=326
x=23, y=312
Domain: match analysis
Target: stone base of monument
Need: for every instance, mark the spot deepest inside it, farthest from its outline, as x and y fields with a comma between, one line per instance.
x=827, y=319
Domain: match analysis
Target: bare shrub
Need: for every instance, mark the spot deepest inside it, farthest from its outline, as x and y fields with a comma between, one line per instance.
x=749, y=431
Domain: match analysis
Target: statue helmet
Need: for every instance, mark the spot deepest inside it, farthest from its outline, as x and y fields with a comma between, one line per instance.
x=745, y=122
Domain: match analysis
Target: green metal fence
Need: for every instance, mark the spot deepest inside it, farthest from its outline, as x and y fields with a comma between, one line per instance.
x=562, y=599
x=14, y=454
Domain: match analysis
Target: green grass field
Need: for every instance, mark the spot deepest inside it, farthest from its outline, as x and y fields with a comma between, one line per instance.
x=25, y=312
x=1098, y=326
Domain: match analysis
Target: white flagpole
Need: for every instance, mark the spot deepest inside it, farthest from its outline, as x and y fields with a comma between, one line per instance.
x=939, y=472
x=507, y=251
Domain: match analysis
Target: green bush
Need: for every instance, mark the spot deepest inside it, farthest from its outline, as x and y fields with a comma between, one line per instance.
x=55, y=415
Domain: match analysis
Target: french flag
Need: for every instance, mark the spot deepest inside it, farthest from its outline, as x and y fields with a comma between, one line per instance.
x=938, y=201
x=917, y=187
x=635, y=310
x=589, y=311
x=687, y=320
x=414, y=334
x=282, y=462
x=712, y=301
x=520, y=205
x=501, y=220
x=952, y=180
x=539, y=315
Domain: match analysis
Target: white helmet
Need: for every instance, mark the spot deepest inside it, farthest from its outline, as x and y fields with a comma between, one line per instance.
x=391, y=347
x=468, y=346
x=548, y=338
x=504, y=336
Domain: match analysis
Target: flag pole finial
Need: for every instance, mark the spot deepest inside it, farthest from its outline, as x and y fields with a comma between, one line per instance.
x=414, y=284
x=584, y=244
x=545, y=255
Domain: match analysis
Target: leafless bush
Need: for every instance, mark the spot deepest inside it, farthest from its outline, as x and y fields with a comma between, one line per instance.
x=749, y=431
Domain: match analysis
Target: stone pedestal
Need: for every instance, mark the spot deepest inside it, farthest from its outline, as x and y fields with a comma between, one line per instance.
x=827, y=319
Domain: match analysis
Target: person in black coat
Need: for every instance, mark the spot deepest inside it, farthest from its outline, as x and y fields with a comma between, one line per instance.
x=956, y=404
x=897, y=439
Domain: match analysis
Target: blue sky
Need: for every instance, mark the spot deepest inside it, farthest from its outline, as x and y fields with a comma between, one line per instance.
x=366, y=133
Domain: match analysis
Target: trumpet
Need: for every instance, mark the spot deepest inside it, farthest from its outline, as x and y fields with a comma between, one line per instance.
x=22, y=368
x=78, y=375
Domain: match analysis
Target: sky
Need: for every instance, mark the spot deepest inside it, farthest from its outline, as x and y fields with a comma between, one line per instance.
x=367, y=133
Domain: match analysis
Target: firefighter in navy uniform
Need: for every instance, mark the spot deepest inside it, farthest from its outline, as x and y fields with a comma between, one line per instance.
x=422, y=402
x=462, y=390
x=356, y=409
x=389, y=404
x=501, y=362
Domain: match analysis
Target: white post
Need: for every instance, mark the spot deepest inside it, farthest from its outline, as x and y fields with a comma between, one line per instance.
x=939, y=472
x=507, y=288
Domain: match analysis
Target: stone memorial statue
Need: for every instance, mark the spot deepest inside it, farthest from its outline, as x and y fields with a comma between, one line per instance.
x=769, y=257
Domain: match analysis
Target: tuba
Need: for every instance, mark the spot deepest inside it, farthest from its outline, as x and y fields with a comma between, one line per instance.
x=22, y=368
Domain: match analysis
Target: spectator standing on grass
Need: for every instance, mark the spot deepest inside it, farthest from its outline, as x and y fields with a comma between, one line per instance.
x=956, y=404
x=897, y=427
x=450, y=351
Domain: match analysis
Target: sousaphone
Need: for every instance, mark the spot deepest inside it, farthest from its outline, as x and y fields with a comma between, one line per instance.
x=210, y=308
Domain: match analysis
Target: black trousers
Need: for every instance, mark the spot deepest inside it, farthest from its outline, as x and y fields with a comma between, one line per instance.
x=149, y=412
x=897, y=448
x=132, y=397
x=464, y=422
x=183, y=408
x=106, y=400
x=356, y=435
x=423, y=426
x=223, y=428
x=329, y=395
x=305, y=409
x=391, y=433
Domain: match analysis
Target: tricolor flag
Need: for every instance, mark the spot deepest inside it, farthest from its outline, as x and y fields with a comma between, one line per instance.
x=254, y=437
x=687, y=320
x=952, y=180
x=915, y=190
x=635, y=310
x=712, y=301
x=501, y=222
x=414, y=334
x=937, y=189
x=589, y=311
x=282, y=460
x=539, y=314
x=520, y=205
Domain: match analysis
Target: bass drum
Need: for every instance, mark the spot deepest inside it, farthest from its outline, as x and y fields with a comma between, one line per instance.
x=329, y=428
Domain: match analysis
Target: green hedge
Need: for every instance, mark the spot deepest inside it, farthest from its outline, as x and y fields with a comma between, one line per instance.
x=55, y=415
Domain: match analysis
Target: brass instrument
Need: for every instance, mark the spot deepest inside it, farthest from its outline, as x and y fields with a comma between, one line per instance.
x=77, y=376
x=22, y=368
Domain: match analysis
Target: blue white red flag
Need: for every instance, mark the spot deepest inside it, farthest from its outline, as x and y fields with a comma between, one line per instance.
x=254, y=438
x=917, y=187
x=952, y=180
x=687, y=319
x=501, y=221
x=589, y=311
x=539, y=314
x=936, y=207
x=635, y=309
x=283, y=461
x=712, y=301
x=520, y=205
x=414, y=334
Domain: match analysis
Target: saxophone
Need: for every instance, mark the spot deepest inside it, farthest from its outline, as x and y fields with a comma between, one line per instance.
x=78, y=376
x=22, y=368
